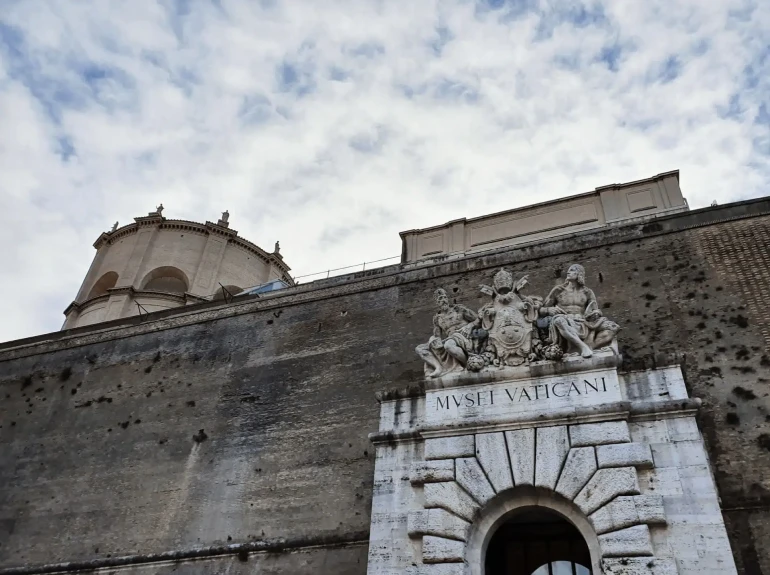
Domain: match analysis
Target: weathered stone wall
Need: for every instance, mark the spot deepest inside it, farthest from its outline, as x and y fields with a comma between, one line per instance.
x=97, y=451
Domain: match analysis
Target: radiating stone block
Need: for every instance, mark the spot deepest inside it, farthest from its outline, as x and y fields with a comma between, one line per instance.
x=450, y=447
x=492, y=454
x=578, y=469
x=617, y=514
x=639, y=566
x=440, y=550
x=626, y=511
x=438, y=522
x=451, y=497
x=630, y=542
x=605, y=485
x=599, y=433
x=471, y=477
x=625, y=455
x=552, y=447
x=431, y=471
x=521, y=450
x=650, y=509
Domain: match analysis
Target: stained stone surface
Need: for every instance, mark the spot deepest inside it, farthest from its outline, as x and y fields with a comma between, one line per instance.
x=578, y=469
x=491, y=452
x=432, y=471
x=521, y=450
x=440, y=550
x=471, y=477
x=450, y=496
x=641, y=566
x=625, y=511
x=605, y=485
x=437, y=569
x=629, y=542
x=449, y=447
x=624, y=455
x=599, y=433
x=552, y=448
x=437, y=522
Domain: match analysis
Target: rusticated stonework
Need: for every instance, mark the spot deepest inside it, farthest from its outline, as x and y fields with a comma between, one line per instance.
x=632, y=475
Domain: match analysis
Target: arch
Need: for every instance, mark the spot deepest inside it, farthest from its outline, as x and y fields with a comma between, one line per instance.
x=511, y=502
x=536, y=541
x=166, y=279
x=231, y=289
x=107, y=281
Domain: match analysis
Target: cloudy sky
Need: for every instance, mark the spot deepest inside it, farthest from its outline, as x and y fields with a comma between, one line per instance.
x=332, y=125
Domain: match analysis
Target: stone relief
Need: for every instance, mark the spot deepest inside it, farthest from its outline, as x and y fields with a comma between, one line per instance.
x=512, y=328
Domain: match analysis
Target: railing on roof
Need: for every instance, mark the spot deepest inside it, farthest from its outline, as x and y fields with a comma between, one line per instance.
x=341, y=271
x=278, y=284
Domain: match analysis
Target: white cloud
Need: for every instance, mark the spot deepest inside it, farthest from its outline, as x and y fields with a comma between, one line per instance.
x=332, y=126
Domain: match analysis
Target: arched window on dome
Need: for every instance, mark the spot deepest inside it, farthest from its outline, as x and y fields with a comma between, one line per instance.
x=166, y=279
x=104, y=283
x=537, y=542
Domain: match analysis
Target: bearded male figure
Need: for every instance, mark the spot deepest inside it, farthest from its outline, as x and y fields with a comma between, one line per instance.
x=448, y=348
x=575, y=321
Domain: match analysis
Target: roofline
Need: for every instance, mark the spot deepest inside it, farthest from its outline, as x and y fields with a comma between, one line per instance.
x=207, y=228
x=657, y=177
x=379, y=278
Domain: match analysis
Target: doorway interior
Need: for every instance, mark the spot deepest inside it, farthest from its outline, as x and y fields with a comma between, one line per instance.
x=536, y=541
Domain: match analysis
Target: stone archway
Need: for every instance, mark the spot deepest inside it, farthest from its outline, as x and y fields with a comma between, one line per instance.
x=537, y=541
x=510, y=503
x=585, y=473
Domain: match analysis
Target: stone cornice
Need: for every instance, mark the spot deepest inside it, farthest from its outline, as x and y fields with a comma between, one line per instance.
x=183, y=299
x=621, y=410
x=108, y=238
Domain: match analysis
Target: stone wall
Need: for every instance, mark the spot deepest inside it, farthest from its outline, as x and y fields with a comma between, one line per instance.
x=236, y=435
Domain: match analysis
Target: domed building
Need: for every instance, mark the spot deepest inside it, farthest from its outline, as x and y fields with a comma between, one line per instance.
x=157, y=263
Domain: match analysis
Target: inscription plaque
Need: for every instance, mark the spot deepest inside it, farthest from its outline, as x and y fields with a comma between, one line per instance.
x=536, y=395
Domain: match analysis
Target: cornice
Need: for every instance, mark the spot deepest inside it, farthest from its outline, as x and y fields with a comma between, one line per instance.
x=183, y=299
x=208, y=228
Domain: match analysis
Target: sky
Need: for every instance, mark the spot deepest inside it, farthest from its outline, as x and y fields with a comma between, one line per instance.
x=332, y=125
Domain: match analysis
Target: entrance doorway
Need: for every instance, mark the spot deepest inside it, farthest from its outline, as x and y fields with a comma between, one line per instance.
x=537, y=542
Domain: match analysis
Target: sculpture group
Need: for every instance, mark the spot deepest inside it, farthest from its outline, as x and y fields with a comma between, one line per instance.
x=513, y=328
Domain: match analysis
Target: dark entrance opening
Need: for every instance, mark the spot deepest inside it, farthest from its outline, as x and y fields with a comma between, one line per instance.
x=537, y=542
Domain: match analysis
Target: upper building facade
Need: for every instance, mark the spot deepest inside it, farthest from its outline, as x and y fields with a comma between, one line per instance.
x=157, y=263
x=606, y=206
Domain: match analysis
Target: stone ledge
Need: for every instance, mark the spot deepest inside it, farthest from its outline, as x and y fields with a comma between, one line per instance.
x=450, y=447
x=438, y=569
x=630, y=542
x=440, y=550
x=432, y=471
x=603, y=433
x=438, y=522
x=639, y=566
x=603, y=360
x=614, y=411
x=627, y=511
x=637, y=455
x=452, y=498
x=605, y=485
